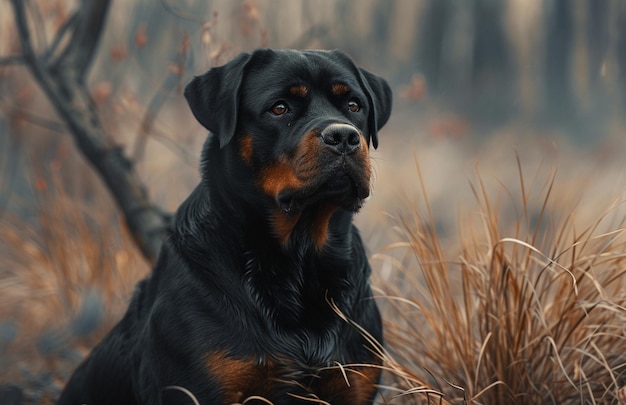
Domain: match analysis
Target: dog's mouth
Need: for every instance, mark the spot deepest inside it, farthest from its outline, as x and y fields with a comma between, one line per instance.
x=340, y=186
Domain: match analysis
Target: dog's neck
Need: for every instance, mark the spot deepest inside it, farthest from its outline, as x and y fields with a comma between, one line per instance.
x=310, y=273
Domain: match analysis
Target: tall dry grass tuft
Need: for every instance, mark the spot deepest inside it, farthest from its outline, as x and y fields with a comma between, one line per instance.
x=530, y=311
x=67, y=269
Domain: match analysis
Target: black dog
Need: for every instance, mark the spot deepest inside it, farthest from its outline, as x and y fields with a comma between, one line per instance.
x=244, y=300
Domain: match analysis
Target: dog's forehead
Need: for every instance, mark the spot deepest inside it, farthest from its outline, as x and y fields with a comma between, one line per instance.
x=280, y=70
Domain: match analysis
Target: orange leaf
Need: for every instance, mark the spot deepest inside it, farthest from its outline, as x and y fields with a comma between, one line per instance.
x=141, y=36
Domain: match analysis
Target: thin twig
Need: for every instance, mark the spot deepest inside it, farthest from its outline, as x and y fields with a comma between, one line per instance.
x=39, y=121
x=70, y=23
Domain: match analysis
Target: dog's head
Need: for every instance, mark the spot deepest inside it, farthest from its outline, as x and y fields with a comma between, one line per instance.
x=302, y=121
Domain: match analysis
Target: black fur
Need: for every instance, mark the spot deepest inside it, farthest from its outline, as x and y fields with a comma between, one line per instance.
x=239, y=301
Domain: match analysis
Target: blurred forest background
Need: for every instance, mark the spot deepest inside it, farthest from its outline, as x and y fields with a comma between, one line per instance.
x=482, y=88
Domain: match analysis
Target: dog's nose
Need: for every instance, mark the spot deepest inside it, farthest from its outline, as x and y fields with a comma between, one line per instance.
x=342, y=138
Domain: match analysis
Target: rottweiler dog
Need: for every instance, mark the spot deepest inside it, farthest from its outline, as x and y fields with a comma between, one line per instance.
x=263, y=277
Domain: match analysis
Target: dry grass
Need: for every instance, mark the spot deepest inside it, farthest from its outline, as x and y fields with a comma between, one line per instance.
x=533, y=312
x=66, y=274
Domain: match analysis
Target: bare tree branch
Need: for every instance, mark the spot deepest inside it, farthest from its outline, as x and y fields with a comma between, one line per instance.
x=169, y=86
x=79, y=52
x=64, y=86
x=69, y=23
x=36, y=120
x=12, y=60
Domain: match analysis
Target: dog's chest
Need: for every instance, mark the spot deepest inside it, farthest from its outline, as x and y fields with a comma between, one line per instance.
x=241, y=381
x=297, y=292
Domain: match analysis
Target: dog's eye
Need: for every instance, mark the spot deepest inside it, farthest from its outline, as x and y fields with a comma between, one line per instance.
x=279, y=108
x=354, y=106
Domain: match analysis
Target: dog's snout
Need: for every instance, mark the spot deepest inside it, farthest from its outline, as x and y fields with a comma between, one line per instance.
x=342, y=138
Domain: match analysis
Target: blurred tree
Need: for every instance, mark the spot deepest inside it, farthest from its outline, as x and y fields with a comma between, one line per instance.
x=430, y=49
x=61, y=69
x=381, y=28
x=559, y=100
x=492, y=75
x=621, y=57
x=598, y=46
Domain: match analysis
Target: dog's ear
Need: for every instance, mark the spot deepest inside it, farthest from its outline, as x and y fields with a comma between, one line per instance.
x=378, y=95
x=214, y=97
x=380, y=99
